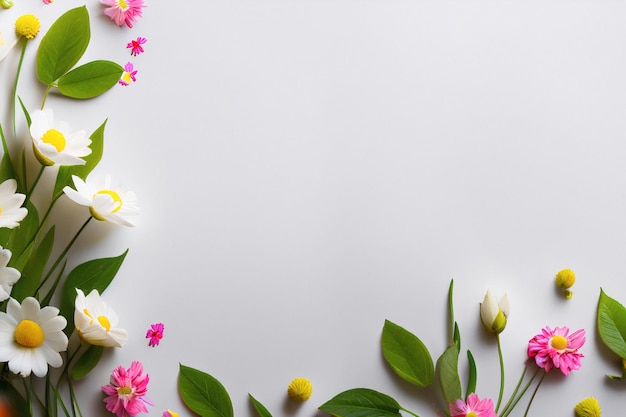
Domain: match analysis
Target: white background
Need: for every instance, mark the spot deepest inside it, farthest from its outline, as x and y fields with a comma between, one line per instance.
x=308, y=169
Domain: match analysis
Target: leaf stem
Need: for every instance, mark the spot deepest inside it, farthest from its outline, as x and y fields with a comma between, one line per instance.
x=408, y=411
x=500, y=356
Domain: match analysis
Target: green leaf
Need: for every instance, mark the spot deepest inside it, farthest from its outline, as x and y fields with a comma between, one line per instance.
x=611, y=321
x=63, y=45
x=96, y=274
x=448, y=372
x=203, y=394
x=64, y=176
x=33, y=270
x=260, y=408
x=90, y=80
x=472, y=375
x=362, y=402
x=87, y=361
x=22, y=238
x=407, y=355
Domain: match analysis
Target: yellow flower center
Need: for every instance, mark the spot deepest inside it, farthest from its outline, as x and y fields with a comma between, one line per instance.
x=29, y=334
x=124, y=390
x=114, y=196
x=471, y=414
x=558, y=342
x=27, y=26
x=55, y=138
x=122, y=4
x=103, y=320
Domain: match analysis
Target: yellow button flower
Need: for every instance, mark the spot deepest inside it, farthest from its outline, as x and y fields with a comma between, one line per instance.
x=589, y=407
x=300, y=389
x=565, y=279
x=27, y=26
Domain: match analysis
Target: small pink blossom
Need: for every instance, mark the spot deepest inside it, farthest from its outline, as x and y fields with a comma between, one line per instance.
x=557, y=349
x=123, y=11
x=473, y=407
x=128, y=75
x=155, y=334
x=47, y=1
x=126, y=392
x=135, y=45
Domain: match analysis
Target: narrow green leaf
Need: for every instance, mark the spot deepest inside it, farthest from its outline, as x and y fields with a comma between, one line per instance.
x=87, y=361
x=407, y=355
x=21, y=239
x=96, y=274
x=64, y=176
x=448, y=372
x=90, y=80
x=362, y=402
x=611, y=322
x=472, y=375
x=33, y=270
x=203, y=394
x=63, y=45
x=260, y=408
x=451, y=320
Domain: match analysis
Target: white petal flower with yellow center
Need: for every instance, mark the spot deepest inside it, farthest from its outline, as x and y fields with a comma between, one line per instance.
x=8, y=275
x=11, y=210
x=96, y=322
x=31, y=337
x=54, y=143
x=106, y=203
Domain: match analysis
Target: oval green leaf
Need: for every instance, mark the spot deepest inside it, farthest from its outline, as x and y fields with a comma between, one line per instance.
x=87, y=361
x=203, y=394
x=611, y=322
x=362, y=402
x=260, y=408
x=407, y=355
x=90, y=80
x=63, y=45
x=448, y=372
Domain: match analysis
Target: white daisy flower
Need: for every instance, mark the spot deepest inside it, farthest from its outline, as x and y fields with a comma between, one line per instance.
x=54, y=143
x=105, y=203
x=31, y=337
x=11, y=210
x=8, y=275
x=8, y=39
x=95, y=322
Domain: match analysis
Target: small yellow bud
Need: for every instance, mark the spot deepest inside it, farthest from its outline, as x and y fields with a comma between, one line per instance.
x=565, y=279
x=589, y=407
x=27, y=26
x=300, y=389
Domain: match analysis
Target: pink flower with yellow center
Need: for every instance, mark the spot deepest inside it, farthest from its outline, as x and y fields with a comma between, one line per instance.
x=473, y=407
x=127, y=389
x=557, y=349
x=123, y=11
x=128, y=75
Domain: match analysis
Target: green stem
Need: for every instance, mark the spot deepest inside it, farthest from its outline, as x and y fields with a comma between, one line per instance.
x=519, y=397
x=519, y=383
x=501, y=372
x=17, y=77
x=534, y=393
x=45, y=96
x=408, y=411
x=29, y=193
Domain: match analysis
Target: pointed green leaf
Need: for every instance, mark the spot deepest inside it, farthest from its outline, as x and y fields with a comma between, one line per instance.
x=472, y=375
x=611, y=321
x=448, y=372
x=90, y=80
x=22, y=238
x=87, y=361
x=64, y=176
x=362, y=402
x=203, y=394
x=407, y=355
x=96, y=274
x=63, y=45
x=260, y=408
x=33, y=270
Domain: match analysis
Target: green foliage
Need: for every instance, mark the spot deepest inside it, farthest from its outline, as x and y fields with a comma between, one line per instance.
x=34, y=268
x=362, y=402
x=448, y=373
x=611, y=321
x=95, y=274
x=260, y=408
x=407, y=355
x=90, y=80
x=203, y=394
x=87, y=361
x=472, y=374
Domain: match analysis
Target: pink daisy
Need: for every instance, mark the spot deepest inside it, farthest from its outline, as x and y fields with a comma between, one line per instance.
x=155, y=334
x=128, y=75
x=555, y=348
x=123, y=11
x=135, y=45
x=127, y=391
x=473, y=407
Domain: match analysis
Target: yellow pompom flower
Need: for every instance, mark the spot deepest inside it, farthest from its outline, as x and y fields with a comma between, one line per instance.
x=565, y=279
x=589, y=407
x=300, y=389
x=27, y=26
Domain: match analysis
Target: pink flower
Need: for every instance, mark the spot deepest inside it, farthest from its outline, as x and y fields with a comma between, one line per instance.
x=155, y=334
x=474, y=407
x=135, y=45
x=127, y=391
x=554, y=348
x=47, y=1
x=123, y=11
x=128, y=75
